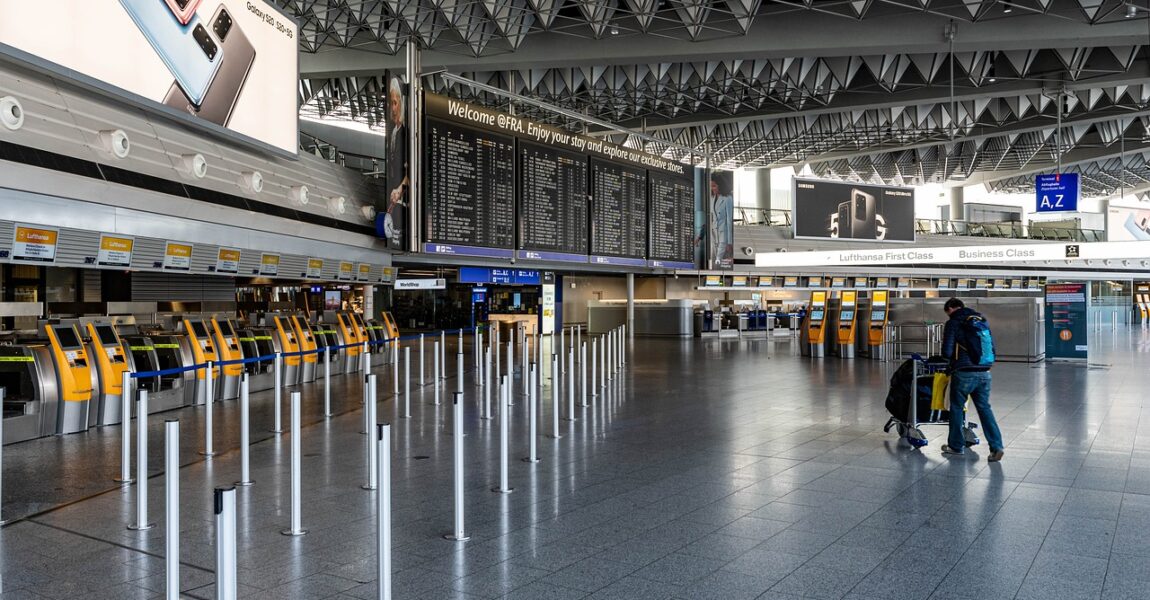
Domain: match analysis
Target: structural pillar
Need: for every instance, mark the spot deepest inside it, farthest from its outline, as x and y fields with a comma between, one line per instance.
x=630, y=304
x=414, y=143
x=957, y=204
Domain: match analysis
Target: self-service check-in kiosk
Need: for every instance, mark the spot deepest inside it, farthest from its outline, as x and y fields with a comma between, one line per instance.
x=159, y=352
x=327, y=336
x=305, y=337
x=876, y=319
x=289, y=345
x=816, y=333
x=31, y=392
x=845, y=329
x=349, y=334
x=203, y=349
x=1143, y=306
x=228, y=349
x=390, y=328
x=73, y=377
x=110, y=363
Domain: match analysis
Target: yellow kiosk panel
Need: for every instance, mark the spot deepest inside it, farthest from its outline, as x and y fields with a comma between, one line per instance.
x=109, y=359
x=203, y=348
x=846, y=328
x=289, y=344
x=878, y=318
x=228, y=346
x=817, y=317
x=305, y=338
x=74, y=369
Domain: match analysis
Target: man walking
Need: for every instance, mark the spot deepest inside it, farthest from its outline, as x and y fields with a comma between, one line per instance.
x=967, y=342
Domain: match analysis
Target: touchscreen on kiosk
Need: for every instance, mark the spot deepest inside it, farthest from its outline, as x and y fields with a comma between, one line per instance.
x=228, y=329
x=816, y=315
x=846, y=316
x=199, y=329
x=67, y=336
x=878, y=316
x=107, y=335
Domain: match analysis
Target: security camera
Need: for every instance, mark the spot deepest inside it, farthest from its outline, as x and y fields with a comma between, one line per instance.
x=780, y=249
x=252, y=181
x=116, y=141
x=194, y=165
x=11, y=113
x=748, y=250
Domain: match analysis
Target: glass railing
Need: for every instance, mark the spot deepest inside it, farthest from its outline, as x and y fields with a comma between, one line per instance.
x=1005, y=229
x=762, y=216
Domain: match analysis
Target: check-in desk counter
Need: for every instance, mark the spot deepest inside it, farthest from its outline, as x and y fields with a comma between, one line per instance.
x=227, y=349
x=73, y=377
x=31, y=394
x=305, y=338
x=109, y=364
x=377, y=333
x=177, y=389
x=202, y=347
x=658, y=318
x=286, y=343
x=349, y=333
x=258, y=342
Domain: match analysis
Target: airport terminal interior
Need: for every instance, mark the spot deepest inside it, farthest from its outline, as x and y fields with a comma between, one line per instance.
x=575, y=299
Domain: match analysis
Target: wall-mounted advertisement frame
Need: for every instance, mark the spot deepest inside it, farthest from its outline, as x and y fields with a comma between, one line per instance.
x=833, y=210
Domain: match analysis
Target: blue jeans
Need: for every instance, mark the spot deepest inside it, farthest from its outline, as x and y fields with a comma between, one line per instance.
x=975, y=384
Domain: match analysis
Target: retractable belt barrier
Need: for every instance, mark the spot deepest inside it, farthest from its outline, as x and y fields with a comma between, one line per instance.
x=267, y=357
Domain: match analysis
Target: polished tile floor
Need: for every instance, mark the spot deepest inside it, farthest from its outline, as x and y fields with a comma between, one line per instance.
x=710, y=469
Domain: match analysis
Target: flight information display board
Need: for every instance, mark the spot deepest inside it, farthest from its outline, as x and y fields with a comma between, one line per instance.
x=672, y=224
x=552, y=204
x=618, y=214
x=470, y=184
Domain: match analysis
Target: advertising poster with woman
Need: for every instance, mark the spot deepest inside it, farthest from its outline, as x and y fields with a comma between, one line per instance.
x=391, y=216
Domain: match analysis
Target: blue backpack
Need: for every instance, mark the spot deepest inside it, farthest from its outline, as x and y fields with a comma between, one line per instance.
x=979, y=342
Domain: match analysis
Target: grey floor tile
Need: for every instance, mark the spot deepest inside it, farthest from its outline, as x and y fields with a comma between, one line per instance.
x=590, y=574
x=680, y=569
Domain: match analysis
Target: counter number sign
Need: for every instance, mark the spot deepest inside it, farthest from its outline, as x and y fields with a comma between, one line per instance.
x=115, y=251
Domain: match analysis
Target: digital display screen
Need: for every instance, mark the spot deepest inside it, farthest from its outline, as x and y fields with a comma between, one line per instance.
x=553, y=203
x=469, y=187
x=713, y=280
x=739, y=281
x=847, y=316
x=816, y=315
x=878, y=315
x=67, y=336
x=227, y=328
x=199, y=329
x=107, y=335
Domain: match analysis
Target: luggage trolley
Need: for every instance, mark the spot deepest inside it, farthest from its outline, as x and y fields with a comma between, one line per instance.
x=913, y=383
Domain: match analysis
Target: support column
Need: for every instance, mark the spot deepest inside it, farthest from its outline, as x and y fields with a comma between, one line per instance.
x=957, y=204
x=762, y=197
x=414, y=143
x=631, y=304
x=368, y=292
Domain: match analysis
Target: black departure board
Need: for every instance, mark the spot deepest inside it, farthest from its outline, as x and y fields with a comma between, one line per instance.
x=552, y=200
x=470, y=187
x=618, y=210
x=672, y=206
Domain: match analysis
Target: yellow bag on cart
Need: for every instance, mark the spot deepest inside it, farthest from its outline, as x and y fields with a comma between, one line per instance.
x=939, y=399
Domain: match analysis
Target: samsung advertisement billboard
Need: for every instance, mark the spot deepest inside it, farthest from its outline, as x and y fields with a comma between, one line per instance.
x=849, y=211
x=230, y=64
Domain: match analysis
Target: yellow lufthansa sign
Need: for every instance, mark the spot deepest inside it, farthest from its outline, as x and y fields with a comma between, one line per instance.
x=364, y=272
x=228, y=260
x=314, y=268
x=269, y=265
x=115, y=251
x=178, y=257
x=35, y=244
x=346, y=270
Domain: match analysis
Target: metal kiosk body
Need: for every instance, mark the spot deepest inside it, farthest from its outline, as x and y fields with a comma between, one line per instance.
x=228, y=348
x=31, y=397
x=73, y=377
x=203, y=350
x=107, y=352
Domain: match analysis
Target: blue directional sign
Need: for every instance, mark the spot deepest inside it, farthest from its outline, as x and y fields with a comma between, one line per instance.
x=1057, y=192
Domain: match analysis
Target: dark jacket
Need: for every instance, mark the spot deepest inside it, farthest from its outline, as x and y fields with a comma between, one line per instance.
x=954, y=341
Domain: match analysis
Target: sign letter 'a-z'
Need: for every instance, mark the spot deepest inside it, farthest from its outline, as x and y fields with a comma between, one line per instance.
x=1057, y=192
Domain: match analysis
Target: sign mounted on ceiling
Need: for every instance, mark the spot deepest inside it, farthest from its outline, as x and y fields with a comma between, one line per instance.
x=420, y=284
x=850, y=211
x=1126, y=253
x=37, y=244
x=1057, y=192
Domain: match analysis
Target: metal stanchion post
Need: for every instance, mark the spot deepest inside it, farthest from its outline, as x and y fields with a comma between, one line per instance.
x=594, y=366
x=459, y=370
x=555, y=382
x=435, y=374
x=478, y=356
x=245, y=433
x=225, y=509
x=498, y=361
x=326, y=381
x=296, y=517
x=623, y=353
x=172, y=509
x=383, y=513
x=395, y=374
x=443, y=354
x=209, y=402
x=579, y=337
x=369, y=445
x=458, y=534
x=407, y=382
x=487, y=385
x=125, y=429
x=422, y=369
x=603, y=360
x=510, y=368
x=366, y=358
x=562, y=345
x=141, y=523
x=583, y=370
x=277, y=384
x=523, y=361
x=504, y=434
x=2, y=392
x=570, y=385
x=532, y=417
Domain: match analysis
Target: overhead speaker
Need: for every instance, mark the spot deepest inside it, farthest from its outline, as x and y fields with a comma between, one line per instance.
x=368, y=212
x=300, y=195
x=11, y=113
x=116, y=142
x=748, y=251
x=337, y=205
x=195, y=165
x=252, y=181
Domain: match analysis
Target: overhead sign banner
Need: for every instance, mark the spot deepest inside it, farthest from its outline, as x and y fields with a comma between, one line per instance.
x=420, y=284
x=35, y=244
x=720, y=231
x=314, y=268
x=363, y=272
x=1057, y=192
x=227, y=65
x=1067, y=325
x=847, y=211
x=115, y=251
x=1006, y=253
x=1128, y=222
x=228, y=260
x=269, y=265
x=178, y=257
x=346, y=271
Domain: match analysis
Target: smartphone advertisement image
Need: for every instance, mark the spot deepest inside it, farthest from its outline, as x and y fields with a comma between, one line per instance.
x=848, y=211
x=231, y=63
x=1128, y=222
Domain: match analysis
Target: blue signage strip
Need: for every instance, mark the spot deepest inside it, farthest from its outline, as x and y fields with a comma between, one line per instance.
x=499, y=276
x=618, y=260
x=670, y=264
x=555, y=256
x=1067, y=325
x=455, y=249
x=1057, y=192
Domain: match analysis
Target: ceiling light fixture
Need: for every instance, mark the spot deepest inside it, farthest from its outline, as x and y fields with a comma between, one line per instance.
x=1131, y=11
x=1007, y=7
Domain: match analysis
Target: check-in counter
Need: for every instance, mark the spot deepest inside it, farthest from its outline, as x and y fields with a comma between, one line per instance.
x=258, y=341
x=31, y=392
x=203, y=350
x=306, y=339
x=349, y=333
x=109, y=364
x=287, y=344
x=1017, y=322
x=657, y=318
x=157, y=352
x=228, y=349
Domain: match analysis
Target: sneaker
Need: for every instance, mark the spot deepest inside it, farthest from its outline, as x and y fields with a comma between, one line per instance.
x=949, y=450
x=994, y=456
